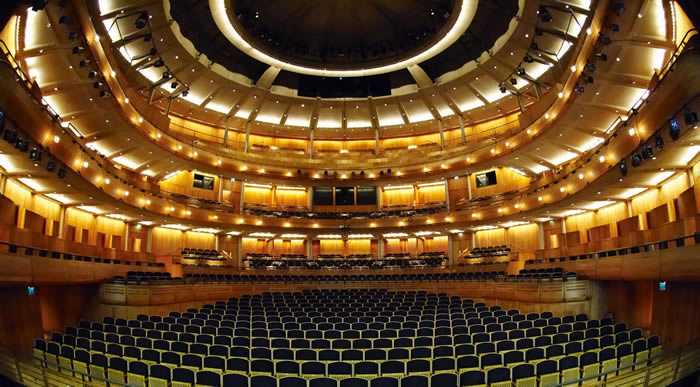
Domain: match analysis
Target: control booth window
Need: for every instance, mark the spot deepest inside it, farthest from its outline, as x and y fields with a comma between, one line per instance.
x=344, y=196
x=323, y=196
x=366, y=195
x=485, y=179
x=203, y=181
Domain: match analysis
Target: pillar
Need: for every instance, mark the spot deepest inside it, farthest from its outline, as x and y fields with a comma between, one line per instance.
x=61, y=222
x=126, y=236
x=220, y=195
x=380, y=248
x=540, y=236
x=309, y=248
x=311, y=143
x=149, y=240
x=246, y=143
x=442, y=134
x=216, y=242
x=469, y=187
x=461, y=130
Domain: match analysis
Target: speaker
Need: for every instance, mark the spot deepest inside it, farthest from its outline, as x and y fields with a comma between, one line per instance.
x=691, y=118
x=659, y=142
x=51, y=165
x=636, y=160
x=674, y=128
x=35, y=154
x=623, y=167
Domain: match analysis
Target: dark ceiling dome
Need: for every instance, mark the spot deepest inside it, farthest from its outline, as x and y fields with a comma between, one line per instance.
x=344, y=34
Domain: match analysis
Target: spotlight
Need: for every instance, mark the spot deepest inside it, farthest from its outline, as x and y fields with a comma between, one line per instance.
x=38, y=5
x=61, y=173
x=104, y=93
x=98, y=84
x=659, y=142
x=72, y=35
x=513, y=81
x=647, y=152
x=623, y=168
x=21, y=144
x=50, y=165
x=64, y=19
x=84, y=63
x=159, y=63
x=167, y=75
x=579, y=89
x=636, y=160
x=619, y=8
x=520, y=71
x=502, y=88
x=141, y=20
x=528, y=59
x=92, y=74
x=78, y=49
x=674, y=129
x=388, y=171
x=35, y=154
x=691, y=118
x=174, y=85
x=185, y=93
x=544, y=14
x=602, y=56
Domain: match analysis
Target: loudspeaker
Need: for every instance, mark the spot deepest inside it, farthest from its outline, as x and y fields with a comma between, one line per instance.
x=51, y=165
x=674, y=129
x=623, y=167
x=659, y=142
x=636, y=160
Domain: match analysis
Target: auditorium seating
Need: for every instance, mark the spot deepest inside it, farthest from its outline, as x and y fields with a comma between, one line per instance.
x=432, y=208
x=555, y=274
x=490, y=251
x=352, y=261
x=348, y=337
x=205, y=254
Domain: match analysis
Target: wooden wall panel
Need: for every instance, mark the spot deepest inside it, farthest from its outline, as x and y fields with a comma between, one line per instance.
x=676, y=313
x=199, y=240
x=657, y=217
x=21, y=319
x=166, y=241
x=398, y=197
x=520, y=239
x=686, y=206
x=605, y=216
x=507, y=180
x=654, y=197
x=182, y=182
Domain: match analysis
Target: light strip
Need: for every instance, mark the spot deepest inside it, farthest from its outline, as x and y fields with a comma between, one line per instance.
x=261, y=235
x=360, y=236
x=433, y=184
x=254, y=185
x=329, y=236
x=220, y=12
x=395, y=235
x=293, y=236
x=206, y=230
x=289, y=188
x=397, y=187
x=180, y=227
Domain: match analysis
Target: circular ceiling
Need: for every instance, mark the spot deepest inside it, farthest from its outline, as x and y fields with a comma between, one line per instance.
x=344, y=34
x=341, y=48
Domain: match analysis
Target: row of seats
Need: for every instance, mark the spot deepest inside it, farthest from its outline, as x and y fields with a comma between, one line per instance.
x=403, y=213
x=345, y=335
x=344, y=263
x=491, y=251
x=206, y=254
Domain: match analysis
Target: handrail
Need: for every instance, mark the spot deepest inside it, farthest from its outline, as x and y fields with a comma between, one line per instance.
x=656, y=245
